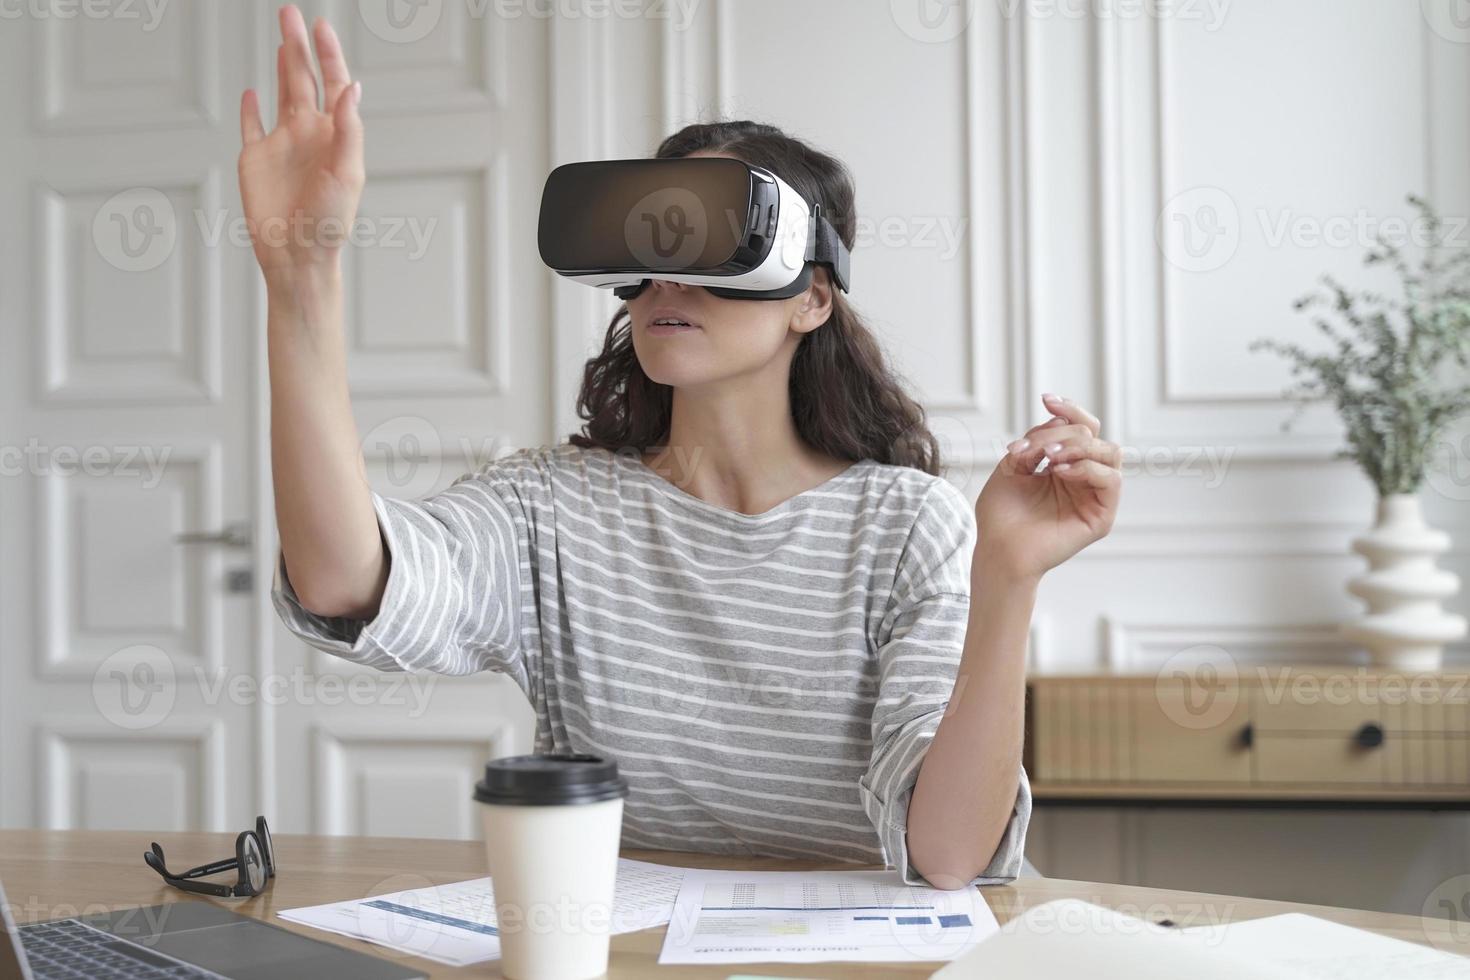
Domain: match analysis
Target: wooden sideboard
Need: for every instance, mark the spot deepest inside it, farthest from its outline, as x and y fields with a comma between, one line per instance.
x=1277, y=736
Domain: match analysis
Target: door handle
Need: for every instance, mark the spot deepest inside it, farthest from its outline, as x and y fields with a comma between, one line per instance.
x=235, y=534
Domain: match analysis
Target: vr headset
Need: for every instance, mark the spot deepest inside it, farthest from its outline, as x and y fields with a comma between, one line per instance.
x=737, y=230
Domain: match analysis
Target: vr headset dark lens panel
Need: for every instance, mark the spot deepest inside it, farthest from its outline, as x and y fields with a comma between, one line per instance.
x=685, y=215
x=737, y=230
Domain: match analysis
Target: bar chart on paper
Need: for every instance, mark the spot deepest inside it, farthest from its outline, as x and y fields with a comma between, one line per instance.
x=809, y=917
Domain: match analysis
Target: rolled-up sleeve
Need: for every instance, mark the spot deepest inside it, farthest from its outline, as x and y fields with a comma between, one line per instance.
x=458, y=575
x=921, y=642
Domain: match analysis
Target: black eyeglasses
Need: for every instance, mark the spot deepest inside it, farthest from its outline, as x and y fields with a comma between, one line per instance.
x=255, y=860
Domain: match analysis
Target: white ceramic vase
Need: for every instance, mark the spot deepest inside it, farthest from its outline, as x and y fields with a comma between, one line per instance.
x=1405, y=626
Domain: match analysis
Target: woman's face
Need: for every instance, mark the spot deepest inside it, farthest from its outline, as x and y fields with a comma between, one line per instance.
x=719, y=338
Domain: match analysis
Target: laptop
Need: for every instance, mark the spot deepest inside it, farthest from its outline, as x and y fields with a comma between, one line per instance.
x=181, y=941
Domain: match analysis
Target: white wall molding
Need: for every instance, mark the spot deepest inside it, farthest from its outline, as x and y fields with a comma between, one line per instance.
x=1146, y=402
x=89, y=223
x=476, y=362
x=64, y=652
x=337, y=783
x=579, y=129
x=64, y=103
x=58, y=739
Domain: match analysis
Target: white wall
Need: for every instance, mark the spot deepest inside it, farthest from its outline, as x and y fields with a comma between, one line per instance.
x=1027, y=175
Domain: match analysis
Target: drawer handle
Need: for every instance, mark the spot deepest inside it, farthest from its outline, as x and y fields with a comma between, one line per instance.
x=1369, y=736
x=1247, y=736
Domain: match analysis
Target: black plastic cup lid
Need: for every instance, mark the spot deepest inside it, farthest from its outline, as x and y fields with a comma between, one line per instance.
x=550, y=780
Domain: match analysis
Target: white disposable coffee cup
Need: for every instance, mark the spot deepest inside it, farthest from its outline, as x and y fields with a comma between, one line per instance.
x=552, y=828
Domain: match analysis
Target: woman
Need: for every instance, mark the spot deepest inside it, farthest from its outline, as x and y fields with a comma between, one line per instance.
x=743, y=580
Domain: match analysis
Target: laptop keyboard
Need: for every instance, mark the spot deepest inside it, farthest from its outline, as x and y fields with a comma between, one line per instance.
x=68, y=950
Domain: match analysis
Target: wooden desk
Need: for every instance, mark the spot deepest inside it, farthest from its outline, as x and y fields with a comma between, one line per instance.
x=51, y=874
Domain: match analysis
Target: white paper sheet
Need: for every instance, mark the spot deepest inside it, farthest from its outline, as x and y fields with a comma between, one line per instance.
x=1315, y=949
x=1066, y=939
x=820, y=916
x=455, y=924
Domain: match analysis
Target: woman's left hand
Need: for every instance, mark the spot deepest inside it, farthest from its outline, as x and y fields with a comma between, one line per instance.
x=1030, y=522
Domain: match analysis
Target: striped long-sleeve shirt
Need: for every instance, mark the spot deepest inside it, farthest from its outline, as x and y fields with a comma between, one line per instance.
x=767, y=683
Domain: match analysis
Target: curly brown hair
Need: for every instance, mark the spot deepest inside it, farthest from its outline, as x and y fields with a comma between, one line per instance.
x=844, y=399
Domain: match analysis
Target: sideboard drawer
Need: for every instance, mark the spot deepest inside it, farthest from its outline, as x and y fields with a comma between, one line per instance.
x=1310, y=734
x=1169, y=745
x=1318, y=760
x=1270, y=715
x=1309, y=704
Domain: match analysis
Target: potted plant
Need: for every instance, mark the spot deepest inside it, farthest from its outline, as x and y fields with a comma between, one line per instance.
x=1395, y=369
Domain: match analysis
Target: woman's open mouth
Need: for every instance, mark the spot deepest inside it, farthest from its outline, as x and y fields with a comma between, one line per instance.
x=665, y=324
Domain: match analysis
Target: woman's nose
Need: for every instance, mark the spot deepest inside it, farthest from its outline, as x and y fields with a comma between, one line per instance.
x=677, y=287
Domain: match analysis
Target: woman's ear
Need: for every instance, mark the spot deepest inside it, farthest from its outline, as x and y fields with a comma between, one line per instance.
x=815, y=307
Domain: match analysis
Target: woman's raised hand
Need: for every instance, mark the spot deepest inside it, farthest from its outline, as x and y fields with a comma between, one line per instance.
x=1030, y=521
x=301, y=182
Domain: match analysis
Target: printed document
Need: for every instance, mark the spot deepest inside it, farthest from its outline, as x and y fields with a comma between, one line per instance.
x=455, y=924
x=818, y=916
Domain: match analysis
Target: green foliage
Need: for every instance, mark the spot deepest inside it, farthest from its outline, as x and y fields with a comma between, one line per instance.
x=1385, y=356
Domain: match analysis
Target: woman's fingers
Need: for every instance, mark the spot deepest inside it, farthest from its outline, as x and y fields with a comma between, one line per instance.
x=1070, y=435
x=1106, y=479
x=347, y=138
x=1071, y=411
x=1062, y=444
x=1099, y=450
x=335, y=77
x=251, y=128
x=283, y=86
x=1045, y=439
x=300, y=87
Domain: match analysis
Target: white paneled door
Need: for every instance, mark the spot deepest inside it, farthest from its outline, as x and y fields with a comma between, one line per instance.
x=146, y=683
x=129, y=486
